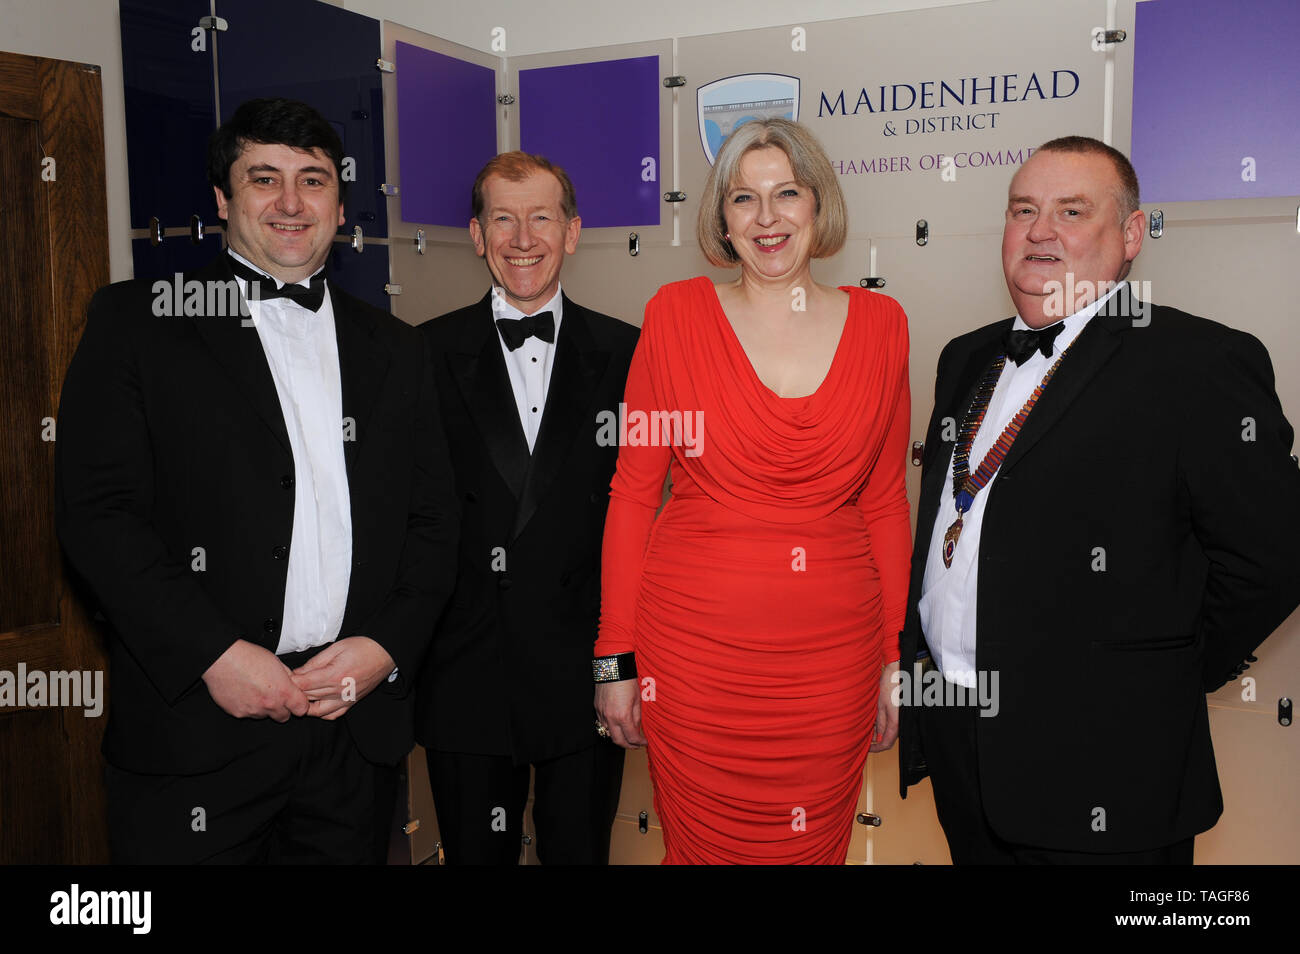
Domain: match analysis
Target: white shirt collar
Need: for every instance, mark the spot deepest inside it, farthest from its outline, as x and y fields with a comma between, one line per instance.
x=1079, y=317
x=305, y=282
x=503, y=309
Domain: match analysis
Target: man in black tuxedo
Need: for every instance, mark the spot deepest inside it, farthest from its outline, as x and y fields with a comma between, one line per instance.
x=252, y=480
x=1123, y=556
x=523, y=377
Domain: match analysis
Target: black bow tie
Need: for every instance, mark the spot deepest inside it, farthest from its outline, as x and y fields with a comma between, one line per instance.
x=262, y=288
x=1021, y=345
x=515, y=331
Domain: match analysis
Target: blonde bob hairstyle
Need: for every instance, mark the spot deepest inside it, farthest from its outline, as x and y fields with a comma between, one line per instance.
x=811, y=169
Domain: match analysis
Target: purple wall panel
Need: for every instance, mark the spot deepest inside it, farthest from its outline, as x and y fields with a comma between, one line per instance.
x=446, y=131
x=600, y=121
x=1214, y=83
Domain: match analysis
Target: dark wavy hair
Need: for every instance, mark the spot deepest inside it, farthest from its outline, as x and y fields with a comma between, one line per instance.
x=273, y=121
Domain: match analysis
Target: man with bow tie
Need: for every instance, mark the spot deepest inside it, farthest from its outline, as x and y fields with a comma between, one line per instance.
x=524, y=376
x=259, y=498
x=1104, y=534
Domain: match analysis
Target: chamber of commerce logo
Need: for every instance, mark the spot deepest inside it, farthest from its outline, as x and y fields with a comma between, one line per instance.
x=727, y=103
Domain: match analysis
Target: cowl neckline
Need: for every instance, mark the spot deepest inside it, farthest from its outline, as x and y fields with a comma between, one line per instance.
x=729, y=334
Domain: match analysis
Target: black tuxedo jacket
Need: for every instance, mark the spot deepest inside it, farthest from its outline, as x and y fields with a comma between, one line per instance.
x=509, y=670
x=175, y=504
x=1160, y=441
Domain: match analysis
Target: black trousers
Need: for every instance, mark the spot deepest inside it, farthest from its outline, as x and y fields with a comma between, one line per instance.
x=952, y=754
x=307, y=796
x=480, y=802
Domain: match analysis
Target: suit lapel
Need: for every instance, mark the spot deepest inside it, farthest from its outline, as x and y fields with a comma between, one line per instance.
x=574, y=376
x=363, y=363
x=238, y=348
x=480, y=372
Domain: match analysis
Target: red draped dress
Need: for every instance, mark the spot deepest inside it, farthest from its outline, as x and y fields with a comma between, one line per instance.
x=765, y=598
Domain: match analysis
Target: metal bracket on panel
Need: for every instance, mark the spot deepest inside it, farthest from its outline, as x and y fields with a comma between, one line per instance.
x=411, y=827
x=633, y=244
x=643, y=822
x=155, y=232
x=918, y=453
x=1102, y=38
x=874, y=281
x=385, y=66
x=387, y=189
x=391, y=289
x=1284, y=711
x=358, y=239
x=196, y=230
x=1157, y=223
x=505, y=99
x=671, y=81
x=419, y=241
x=674, y=196
x=866, y=818
x=214, y=23
x=922, y=232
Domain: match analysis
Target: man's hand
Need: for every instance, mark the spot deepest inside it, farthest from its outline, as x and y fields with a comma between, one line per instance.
x=618, y=706
x=342, y=674
x=249, y=682
x=886, y=712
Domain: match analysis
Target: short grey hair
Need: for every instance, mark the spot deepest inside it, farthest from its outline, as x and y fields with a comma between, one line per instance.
x=811, y=169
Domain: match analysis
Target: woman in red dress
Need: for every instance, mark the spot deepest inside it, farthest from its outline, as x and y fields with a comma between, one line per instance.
x=749, y=632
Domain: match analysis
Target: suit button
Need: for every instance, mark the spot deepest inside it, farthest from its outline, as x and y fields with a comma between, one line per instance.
x=594, y=498
x=504, y=582
x=471, y=497
x=269, y=625
x=279, y=552
x=286, y=482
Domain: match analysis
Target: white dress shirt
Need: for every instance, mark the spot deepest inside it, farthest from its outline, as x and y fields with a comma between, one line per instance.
x=529, y=365
x=302, y=350
x=948, y=594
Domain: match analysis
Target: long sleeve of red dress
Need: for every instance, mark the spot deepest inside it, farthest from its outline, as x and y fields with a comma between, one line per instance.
x=884, y=505
x=634, y=497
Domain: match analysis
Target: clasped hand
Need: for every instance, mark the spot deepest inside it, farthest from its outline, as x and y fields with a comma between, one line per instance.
x=250, y=682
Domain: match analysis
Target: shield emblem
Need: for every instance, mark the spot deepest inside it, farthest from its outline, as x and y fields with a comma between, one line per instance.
x=731, y=101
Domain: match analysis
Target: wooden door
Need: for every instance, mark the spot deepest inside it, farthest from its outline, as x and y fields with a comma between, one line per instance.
x=54, y=254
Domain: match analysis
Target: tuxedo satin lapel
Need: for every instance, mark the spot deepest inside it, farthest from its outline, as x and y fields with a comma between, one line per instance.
x=363, y=363
x=1095, y=345
x=480, y=372
x=238, y=348
x=574, y=377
